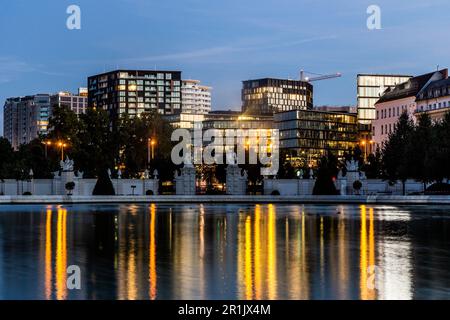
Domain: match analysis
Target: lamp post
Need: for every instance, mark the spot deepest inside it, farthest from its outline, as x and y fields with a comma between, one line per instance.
x=364, y=144
x=46, y=145
x=62, y=145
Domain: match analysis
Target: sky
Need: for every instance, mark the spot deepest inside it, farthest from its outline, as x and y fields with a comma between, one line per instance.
x=220, y=43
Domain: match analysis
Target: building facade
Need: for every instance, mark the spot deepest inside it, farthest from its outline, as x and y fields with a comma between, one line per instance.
x=308, y=135
x=434, y=100
x=370, y=88
x=133, y=92
x=395, y=101
x=78, y=103
x=26, y=118
x=268, y=96
x=196, y=99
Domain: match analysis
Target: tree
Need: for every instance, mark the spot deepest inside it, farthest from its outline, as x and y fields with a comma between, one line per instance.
x=420, y=151
x=395, y=163
x=441, y=149
x=326, y=174
x=104, y=186
x=97, y=147
x=373, y=166
x=6, y=159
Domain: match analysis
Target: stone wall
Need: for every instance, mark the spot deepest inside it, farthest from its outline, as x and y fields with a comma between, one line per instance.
x=83, y=187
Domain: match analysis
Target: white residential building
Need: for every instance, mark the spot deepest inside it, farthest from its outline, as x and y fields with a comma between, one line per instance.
x=395, y=101
x=195, y=97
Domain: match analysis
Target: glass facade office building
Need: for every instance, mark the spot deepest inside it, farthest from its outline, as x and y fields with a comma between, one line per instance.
x=370, y=88
x=308, y=135
x=268, y=96
x=133, y=92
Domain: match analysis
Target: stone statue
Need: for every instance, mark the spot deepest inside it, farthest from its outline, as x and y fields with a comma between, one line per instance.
x=311, y=174
x=187, y=160
x=66, y=165
x=231, y=158
x=352, y=165
x=109, y=173
x=300, y=174
x=146, y=174
x=362, y=175
x=155, y=174
x=119, y=174
x=31, y=174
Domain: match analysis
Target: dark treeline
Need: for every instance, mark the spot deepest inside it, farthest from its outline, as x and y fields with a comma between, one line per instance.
x=94, y=144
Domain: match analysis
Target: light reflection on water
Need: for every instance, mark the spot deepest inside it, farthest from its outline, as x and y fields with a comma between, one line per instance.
x=225, y=252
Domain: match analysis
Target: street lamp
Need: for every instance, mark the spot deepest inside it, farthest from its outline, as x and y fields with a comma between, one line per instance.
x=62, y=145
x=46, y=145
x=151, y=149
x=364, y=144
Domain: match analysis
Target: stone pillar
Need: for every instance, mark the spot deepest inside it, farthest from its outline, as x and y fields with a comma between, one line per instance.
x=236, y=180
x=185, y=182
x=67, y=175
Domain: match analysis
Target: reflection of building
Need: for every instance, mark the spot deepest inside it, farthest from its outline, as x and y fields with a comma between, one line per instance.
x=25, y=118
x=196, y=98
x=395, y=101
x=75, y=102
x=370, y=89
x=434, y=100
x=266, y=96
x=135, y=91
x=307, y=135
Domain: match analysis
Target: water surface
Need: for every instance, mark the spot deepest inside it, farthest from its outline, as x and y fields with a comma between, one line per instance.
x=225, y=251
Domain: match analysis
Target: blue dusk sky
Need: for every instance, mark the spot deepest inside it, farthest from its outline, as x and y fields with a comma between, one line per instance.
x=220, y=43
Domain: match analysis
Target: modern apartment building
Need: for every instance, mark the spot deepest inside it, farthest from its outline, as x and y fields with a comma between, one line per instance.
x=370, y=88
x=268, y=96
x=307, y=135
x=395, y=101
x=78, y=103
x=196, y=98
x=25, y=118
x=133, y=92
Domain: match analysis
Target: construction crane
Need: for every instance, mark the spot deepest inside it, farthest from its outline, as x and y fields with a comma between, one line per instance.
x=318, y=76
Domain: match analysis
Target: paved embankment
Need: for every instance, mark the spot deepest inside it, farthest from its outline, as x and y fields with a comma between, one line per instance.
x=379, y=199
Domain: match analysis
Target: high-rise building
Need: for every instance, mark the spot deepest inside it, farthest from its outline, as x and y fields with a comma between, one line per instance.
x=133, y=92
x=268, y=96
x=76, y=102
x=26, y=118
x=196, y=98
x=370, y=87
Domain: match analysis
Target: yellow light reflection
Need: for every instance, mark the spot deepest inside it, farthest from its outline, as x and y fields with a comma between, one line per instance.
x=61, y=255
x=48, y=255
x=367, y=255
x=152, y=255
x=272, y=254
x=248, y=259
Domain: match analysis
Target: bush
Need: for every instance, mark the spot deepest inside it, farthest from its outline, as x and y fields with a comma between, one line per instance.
x=275, y=193
x=104, y=186
x=27, y=193
x=357, y=185
x=438, y=189
x=70, y=186
x=149, y=193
